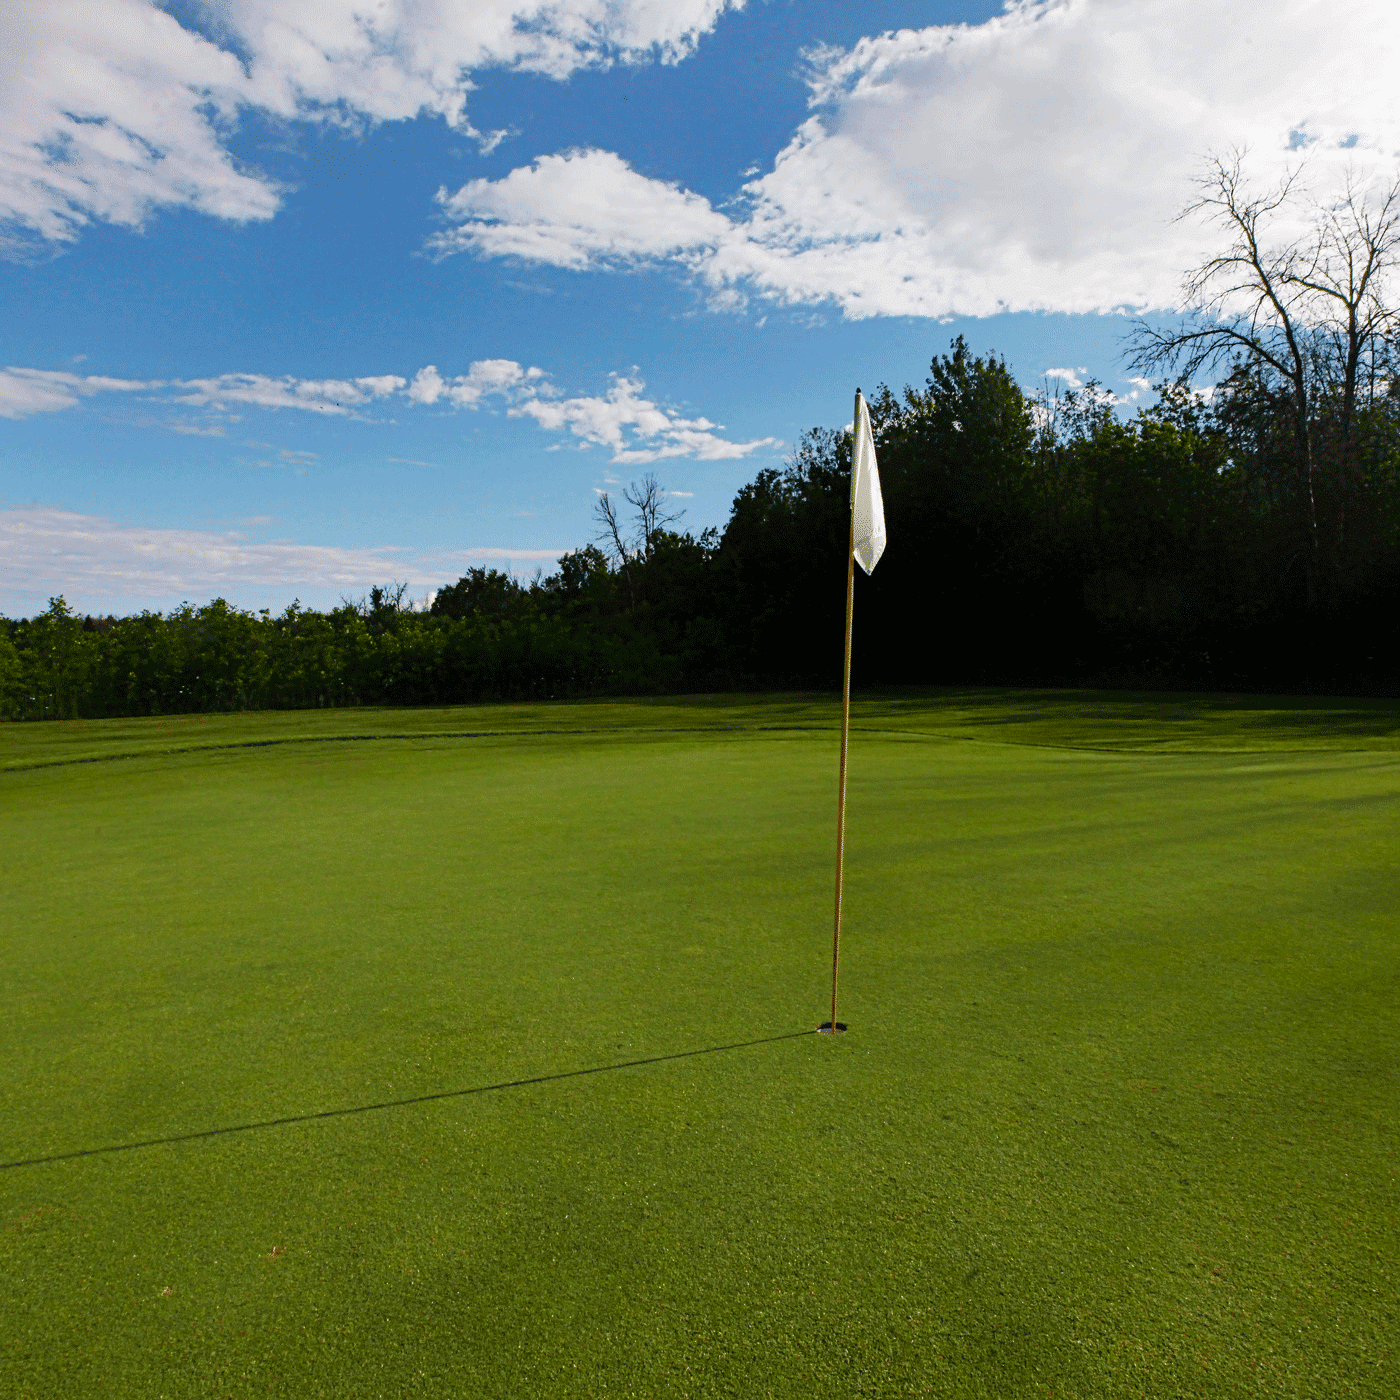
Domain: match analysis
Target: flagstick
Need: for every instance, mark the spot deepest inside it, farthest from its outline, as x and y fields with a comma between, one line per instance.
x=835, y=1026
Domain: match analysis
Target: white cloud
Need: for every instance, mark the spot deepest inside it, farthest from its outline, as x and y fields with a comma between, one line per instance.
x=1074, y=379
x=635, y=429
x=428, y=385
x=111, y=110
x=332, y=396
x=467, y=390
x=1034, y=162
x=46, y=547
x=580, y=209
x=403, y=57
x=46, y=550
x=1097, y=393
x=26, y=391
x=378, y=386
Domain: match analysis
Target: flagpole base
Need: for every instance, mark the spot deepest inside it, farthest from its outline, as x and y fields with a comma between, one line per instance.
x=826, y=1028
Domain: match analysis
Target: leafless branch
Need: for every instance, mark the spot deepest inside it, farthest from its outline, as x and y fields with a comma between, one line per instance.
x=1315, y=312
x=648, y=498
x=610, y=536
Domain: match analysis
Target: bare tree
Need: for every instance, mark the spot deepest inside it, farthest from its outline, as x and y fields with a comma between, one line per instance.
x=611, y=536
x=648, y=499
x=1309, y=319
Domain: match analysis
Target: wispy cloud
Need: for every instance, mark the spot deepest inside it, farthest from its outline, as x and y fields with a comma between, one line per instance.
x=46, y=549
x=636, y=429
x=454, y=557
x=295, y=459
x=27, y=391
x=331, y=396
x=49, y=547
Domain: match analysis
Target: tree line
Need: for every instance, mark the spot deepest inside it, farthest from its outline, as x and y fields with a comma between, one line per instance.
x=1244, y=538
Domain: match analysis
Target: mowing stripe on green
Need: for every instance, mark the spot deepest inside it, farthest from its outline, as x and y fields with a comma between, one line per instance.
x=1118, y=1113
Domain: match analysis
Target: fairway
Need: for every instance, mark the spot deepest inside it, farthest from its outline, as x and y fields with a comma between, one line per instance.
x=1116, y=1116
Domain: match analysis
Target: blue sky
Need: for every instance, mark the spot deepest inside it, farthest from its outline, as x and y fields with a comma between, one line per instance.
x=297, y=301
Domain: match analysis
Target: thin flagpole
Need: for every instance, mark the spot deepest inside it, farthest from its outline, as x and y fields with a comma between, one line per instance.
x=845, y=731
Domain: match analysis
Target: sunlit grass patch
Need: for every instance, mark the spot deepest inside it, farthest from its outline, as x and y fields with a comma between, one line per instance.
x=1117, y=1114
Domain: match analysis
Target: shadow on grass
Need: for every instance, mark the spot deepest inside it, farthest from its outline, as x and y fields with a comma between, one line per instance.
x=392, y=1103
x=618, y=730
x=1096, y=719
x=1127, y=719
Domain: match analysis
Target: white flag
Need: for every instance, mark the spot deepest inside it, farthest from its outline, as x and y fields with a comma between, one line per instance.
x=866, y=502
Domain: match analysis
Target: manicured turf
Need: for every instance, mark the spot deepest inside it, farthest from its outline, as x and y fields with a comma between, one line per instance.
x=1117, y=1115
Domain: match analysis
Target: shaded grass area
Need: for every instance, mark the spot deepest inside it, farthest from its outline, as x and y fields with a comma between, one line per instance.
x=1117, y=1114
x=1053, y=718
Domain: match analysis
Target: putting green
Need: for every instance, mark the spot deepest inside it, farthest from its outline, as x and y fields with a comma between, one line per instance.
x=1117, y=1115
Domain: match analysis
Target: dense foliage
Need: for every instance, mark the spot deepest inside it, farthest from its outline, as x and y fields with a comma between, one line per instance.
x=1032, y=540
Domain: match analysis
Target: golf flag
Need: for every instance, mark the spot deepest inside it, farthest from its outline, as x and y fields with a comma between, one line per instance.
x=867, y=545
x=867, y=507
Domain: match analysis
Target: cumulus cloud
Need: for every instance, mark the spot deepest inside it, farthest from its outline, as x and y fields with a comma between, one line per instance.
x=1033, y=162
x=46, y=549
x=113, y=110
x=577, y=210
x=467, y=390
x=399, y=58
x=636, y=429
x=109, y=110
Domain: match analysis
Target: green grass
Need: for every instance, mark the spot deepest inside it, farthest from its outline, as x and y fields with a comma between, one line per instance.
x=1117, y=1114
